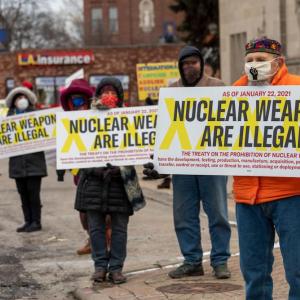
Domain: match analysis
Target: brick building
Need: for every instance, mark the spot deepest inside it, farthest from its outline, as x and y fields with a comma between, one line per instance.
x=129, y=22
x=48, y=69
x=119, y=34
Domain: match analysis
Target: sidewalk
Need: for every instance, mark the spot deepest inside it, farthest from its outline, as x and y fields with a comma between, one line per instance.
x=45, y=265
x=152, y=282
x=156, y=285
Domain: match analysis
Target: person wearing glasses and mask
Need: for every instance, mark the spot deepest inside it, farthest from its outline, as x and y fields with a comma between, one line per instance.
x=29, y=169
x=267, y=204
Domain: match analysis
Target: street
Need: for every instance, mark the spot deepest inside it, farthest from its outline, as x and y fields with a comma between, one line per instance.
x=44, y=265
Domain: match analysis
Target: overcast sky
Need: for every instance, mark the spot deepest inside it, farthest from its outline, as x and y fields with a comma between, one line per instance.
x=54, y=4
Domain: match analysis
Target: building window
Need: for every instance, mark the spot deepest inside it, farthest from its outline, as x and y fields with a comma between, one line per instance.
x=97, y=21
x=10, y=84
x=113, y=20
x=3, y=36
x=47, y=90
x=169, y=35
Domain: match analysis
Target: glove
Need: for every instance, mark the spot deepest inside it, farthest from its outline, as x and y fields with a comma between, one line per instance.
x=98, y=172
x=60, y=175
x=151, y=172
x=112, y=170
x=97, y=105
x=102, y=107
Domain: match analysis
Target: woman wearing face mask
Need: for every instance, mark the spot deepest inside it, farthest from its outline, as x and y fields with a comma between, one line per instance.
x=112, y=191
x=28, y=169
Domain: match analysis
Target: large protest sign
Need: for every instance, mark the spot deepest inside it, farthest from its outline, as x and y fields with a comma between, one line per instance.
x=3, y=108
x=229, y=131
x=123, y=136
x=151, y=77
x=3, y=112
x=28, y=133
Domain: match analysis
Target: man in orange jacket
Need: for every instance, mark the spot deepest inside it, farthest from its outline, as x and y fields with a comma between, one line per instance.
x=266, y=204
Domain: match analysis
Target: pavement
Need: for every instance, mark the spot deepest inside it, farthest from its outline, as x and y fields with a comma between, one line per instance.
x=44, y=265
x=153, y=282
x=156, y=285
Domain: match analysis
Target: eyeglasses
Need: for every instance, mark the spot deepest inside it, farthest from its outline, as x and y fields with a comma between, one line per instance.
x=78, y=100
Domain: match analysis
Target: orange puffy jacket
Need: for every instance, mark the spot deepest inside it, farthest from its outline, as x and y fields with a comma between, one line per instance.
x=253, y=189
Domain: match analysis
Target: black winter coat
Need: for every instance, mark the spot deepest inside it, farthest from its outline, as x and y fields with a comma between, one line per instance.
x=102, y=189
x=33, y=164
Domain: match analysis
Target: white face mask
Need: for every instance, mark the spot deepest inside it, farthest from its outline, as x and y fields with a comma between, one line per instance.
x=259, y=70
x=22, y=104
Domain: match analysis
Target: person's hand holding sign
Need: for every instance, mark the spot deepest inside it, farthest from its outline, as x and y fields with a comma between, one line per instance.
x=150, y=172
x=112, y=170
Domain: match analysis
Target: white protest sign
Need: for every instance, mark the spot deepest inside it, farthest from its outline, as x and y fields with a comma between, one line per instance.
x=229, y=131
x=92, y=138
x=28, y=133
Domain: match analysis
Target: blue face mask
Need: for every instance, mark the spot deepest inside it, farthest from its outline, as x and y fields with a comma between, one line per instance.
x=77, y=101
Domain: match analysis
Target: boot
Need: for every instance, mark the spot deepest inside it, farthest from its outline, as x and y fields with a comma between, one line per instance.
x=27, y=218
x=186, y=270
x=35, y=218
x=86, y=249
x=165, y=184
x=221, y=271
x=23, y=228
x=34, y=226
x=99, y=275
x=117, y=277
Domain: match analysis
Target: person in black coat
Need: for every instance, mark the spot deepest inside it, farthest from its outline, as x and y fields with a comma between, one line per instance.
x=28, y=169
x=112, y=191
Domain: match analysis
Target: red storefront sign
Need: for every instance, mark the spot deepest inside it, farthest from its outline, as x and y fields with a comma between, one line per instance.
x=53, y=58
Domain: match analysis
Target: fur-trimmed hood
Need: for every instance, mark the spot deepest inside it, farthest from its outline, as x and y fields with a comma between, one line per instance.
x=20, y=91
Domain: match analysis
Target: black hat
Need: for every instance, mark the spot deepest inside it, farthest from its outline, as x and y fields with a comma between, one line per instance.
x=185, y=52
x=115, y=83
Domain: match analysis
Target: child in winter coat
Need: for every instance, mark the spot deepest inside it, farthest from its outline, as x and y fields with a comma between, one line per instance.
x=29, y=169
x=110, y=191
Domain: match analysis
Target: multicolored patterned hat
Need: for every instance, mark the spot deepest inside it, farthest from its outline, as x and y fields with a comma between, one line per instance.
x=263, y=45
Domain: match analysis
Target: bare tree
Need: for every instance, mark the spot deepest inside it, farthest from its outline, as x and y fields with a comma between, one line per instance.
x=72, y=10
x=32, y=24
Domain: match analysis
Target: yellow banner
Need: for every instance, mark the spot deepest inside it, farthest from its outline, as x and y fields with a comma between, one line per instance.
x=153, y=76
